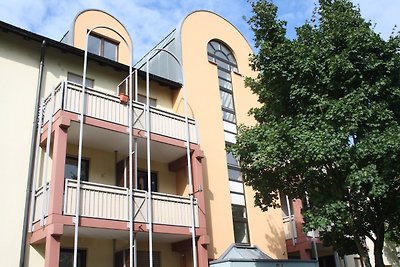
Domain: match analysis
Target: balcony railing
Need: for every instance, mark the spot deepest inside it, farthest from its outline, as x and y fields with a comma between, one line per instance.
x=289, y=226
x=107, y=107
x=111, y=202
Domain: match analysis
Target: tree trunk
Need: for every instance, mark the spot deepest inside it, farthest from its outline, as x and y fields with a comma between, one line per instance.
x=378, y=246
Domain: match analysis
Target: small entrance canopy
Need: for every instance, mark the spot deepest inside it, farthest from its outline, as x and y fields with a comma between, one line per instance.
x=247, y=256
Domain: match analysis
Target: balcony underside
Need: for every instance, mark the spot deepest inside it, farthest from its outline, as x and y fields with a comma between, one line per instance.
x=109, y=140
x=123, y=235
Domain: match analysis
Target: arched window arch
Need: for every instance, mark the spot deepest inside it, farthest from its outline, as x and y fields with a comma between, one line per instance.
x=220, y=54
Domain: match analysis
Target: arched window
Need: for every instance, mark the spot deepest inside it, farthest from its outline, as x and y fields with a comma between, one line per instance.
x=219, y=54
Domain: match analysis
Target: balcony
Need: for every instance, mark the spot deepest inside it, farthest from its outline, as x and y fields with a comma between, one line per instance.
x=289, y=227
x=107, y=107
x=111, y=203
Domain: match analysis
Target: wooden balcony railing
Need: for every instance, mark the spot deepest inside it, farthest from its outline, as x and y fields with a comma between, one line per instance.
x=107, y=107
x=111, y=202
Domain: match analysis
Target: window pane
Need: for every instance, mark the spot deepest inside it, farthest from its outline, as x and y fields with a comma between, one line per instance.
x=71, y=169
x=238, y=211
x=224, y=74
x=110, y=50
x=228, y=116
x=240, y=231
x=225, y=84
x=67, y=258
x=94, y=45
x=226, y=100
x=152, y=101
x=71, y=77
x=142, y=181
x=231, y=159
x=235, y=175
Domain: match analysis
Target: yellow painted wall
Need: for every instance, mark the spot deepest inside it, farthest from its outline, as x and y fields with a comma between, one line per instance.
x=99, y=252
x=92, y=18
x=101, y=164
x=58, y=65
x=169, y=258
x=266, y=229
x=36, y=255
x=19, y=61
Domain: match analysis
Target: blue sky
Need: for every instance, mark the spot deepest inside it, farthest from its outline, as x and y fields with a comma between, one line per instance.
x=148, y=21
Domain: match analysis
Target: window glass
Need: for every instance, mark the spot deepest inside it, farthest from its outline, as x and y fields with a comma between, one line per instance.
x=152, y=101
x=103, y=47
x=284, y=207
x=234, y=174
x=142, y=181
x=67, y=258
x=226, y=85
x=78, y=79
x=223, y=74
x=110, y=50
x=231, y=159
x=228, y=116
x=240, y=232
x=238, y=211
x=94, y=45
x=71, y=168
x=226, y=99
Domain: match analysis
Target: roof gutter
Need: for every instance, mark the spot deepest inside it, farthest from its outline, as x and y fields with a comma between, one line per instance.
x=32, y=156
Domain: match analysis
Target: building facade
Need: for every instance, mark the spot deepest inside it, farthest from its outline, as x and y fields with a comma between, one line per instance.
x=133, y=167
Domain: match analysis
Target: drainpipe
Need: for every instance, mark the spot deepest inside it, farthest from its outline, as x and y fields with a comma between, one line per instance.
x=32, y=156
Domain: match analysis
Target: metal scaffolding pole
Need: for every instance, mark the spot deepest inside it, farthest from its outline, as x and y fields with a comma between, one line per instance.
x=135, y=172
x=81, y=118
x=149, y=195
x=187, y=143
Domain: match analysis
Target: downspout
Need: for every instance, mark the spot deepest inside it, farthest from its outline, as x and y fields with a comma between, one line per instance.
x=32, y=156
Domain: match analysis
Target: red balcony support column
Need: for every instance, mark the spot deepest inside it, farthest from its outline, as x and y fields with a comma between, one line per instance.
x=53, y=244
x=58, y=165
x=197, y=174
x=52, y=253
x=202, y=254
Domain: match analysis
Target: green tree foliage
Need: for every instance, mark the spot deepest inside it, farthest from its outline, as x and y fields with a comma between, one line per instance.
x=328, y=126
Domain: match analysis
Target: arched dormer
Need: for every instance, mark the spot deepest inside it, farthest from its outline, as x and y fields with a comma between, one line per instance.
x=102, y=42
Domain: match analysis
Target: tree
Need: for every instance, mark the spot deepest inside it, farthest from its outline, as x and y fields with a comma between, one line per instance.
x=328, y=127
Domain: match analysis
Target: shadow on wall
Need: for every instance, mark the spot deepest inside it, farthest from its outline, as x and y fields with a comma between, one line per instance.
x=208, y=196
x=275, y=240
x=393, y=257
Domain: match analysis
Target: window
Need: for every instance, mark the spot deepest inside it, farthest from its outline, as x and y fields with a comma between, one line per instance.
x=152, y=101
x=142, y=181
x=240, y=227
x=71, y=77
x=71, y=168
x=284, y=206
x=67, y=257
x=102, y=46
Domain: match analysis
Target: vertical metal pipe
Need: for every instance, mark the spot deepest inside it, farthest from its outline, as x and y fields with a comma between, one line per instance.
x=78, y=178
x=46, y=164
x=190, y=178
x=130, y=118
x=135, y=172
x=35, y=171
x=32, y=159
x=149, y=195
x=291, y=221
